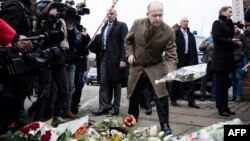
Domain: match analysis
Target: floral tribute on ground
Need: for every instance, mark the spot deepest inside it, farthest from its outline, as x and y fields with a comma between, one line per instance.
x=109, y=129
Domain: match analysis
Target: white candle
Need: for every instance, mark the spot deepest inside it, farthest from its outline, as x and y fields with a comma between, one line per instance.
x=153, y=130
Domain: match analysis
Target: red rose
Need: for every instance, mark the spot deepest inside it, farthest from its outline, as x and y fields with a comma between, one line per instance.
x=46, y=136
x=29, y=127
x=34, y=126
x=25, y=129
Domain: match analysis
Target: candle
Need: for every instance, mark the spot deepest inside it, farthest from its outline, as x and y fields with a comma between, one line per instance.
x=153, y=130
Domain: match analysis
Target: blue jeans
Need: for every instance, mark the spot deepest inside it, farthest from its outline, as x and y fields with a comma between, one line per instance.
x=71, y=75
x=237, y=82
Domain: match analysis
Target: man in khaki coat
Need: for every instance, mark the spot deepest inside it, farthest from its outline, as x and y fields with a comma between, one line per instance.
x=151, y=50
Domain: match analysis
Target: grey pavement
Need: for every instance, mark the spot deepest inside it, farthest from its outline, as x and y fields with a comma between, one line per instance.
x=183, y=119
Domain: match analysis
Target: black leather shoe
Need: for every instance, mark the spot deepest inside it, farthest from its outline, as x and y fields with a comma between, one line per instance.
x=230, y=112
x=100, y=112
x=166, y=129
x=225, y=114
x=149, y=111
x=174, y=103
x=194, y=105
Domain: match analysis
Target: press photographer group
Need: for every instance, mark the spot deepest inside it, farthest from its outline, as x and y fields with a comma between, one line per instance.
x=47, y=47
x=19, y=61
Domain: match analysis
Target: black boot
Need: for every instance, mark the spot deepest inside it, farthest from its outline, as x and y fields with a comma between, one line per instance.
x=100, y=112
x=223, y=113
x=230, y=112
x=149, y=110
x=166, y=129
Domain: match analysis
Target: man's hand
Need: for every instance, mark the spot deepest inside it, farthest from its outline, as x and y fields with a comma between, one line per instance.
x=170, y=77
x=131, y=60
x=122, y=65
x=24, y=45
x=84, y=31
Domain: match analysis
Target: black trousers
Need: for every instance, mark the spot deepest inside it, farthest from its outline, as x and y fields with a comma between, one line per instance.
x=205, y=79
x=79, y=84
x=161, y=104
x=108, y=89
x=182, y=88
x=222, y=82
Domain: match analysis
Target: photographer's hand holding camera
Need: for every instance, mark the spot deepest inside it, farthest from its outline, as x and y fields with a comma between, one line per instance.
x=23, y=44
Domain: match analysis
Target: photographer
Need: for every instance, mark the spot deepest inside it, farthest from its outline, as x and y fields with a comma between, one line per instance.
x=8, y=35
x=74, y=39
x=17, y=13
x=81, y=67
x=57, y=67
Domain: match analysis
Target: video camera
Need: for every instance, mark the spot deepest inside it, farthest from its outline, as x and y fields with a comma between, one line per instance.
x=66, y=10
x=20, y=62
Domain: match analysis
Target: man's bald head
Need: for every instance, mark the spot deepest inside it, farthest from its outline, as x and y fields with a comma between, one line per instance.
x=153, y=4
x=184, y=23
x=111, y=14
x=155, y=13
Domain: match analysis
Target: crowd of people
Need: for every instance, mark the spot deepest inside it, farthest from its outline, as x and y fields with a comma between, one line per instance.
x=132, y=58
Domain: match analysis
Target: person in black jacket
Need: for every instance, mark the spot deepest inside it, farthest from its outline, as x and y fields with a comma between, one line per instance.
x=187, y=55
x=74, y=39
x=17, y=13
x=110, y=62
x=81, y=67
x=8, y=35
x=223, y=58
x=237, y=74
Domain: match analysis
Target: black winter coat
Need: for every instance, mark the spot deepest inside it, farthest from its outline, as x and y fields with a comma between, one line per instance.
x=223, y=32
x=74, y=39
x=82, y=53
x=17, y=17
x=115, y=50
x=192, y=51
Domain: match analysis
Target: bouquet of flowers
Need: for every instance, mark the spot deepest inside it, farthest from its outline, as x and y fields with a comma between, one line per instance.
x=129, y=121
x=214, y=132
x=184, y=74
x=36, y=131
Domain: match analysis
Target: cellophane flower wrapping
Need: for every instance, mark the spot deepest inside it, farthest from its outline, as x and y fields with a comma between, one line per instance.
x=185, y=74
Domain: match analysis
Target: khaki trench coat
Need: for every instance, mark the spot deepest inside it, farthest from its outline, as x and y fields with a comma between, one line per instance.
x=156, y=57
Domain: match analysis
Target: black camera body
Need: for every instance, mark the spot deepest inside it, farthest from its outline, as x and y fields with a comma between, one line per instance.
x=20, y=62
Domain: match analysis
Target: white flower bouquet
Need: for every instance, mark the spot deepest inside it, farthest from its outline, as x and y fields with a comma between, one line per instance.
x=184, y=74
